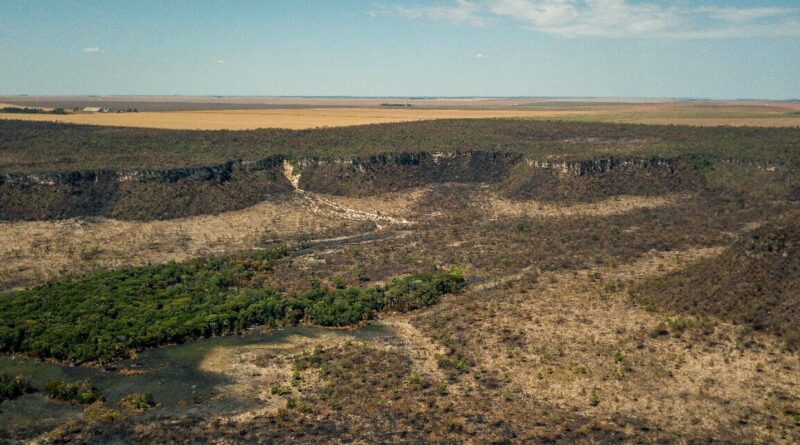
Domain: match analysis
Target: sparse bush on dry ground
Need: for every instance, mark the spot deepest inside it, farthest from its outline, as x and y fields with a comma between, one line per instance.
x=28, y=147
x=468, y=235
x=546, y=343
x=367, y=394
x=755, y=282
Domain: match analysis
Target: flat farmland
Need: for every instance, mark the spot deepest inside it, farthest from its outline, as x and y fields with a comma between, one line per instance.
x=295, y=119
x=202, y=113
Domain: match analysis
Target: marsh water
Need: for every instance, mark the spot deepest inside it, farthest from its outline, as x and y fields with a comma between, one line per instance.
x=171, y=373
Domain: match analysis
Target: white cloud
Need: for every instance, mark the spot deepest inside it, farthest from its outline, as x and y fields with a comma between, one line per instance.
x=219, y=61
x=93, y=50
x=461, y=11
x=613, y=18
x=478, y=56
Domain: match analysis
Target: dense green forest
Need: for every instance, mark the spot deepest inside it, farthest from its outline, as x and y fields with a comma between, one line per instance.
x=29, y=147
x=105, y=316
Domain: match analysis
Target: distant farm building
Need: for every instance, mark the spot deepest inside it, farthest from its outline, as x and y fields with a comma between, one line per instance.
x=96, y=109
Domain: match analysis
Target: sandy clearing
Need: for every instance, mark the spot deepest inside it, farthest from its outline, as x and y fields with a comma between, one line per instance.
x=317, y=203
x=295, y=119
x=252, y=370
x=498, y=206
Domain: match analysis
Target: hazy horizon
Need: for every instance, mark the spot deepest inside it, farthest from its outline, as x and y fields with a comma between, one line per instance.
x=408, y=97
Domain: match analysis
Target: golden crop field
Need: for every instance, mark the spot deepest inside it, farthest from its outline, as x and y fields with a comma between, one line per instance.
x=276, y=118
x=784, y=115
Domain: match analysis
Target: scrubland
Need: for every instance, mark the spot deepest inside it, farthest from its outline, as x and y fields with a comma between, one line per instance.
x=645, y=292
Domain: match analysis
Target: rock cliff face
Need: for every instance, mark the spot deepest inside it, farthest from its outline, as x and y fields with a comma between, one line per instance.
x=171, y=193
x=600, y=166
x=391, y=172
x=582, y=180
x=515, y=175
x=141, y=194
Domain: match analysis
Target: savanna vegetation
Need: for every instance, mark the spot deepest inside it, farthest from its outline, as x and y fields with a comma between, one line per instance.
x=755, y=283
x=139, y=401
x=30, y=147
x=644, y=304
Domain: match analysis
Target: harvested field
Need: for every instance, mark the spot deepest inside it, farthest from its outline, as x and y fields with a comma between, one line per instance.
x=188, y=103
x=295, y=119
x=307, y=114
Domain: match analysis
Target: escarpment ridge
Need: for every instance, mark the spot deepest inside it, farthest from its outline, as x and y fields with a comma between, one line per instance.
x=147, y=194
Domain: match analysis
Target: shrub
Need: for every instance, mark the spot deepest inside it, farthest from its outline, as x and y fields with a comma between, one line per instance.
x=139, y=402
x=594, y=400
x=81, y=393
x=99, y=412
x=13, y=386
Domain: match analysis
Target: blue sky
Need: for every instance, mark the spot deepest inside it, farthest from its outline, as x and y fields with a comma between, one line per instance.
x=574, y=48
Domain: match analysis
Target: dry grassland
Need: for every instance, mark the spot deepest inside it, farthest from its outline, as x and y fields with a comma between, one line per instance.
x=36, y=251
x=500, y=207
x=582, y=346
x=580, y=341
x=33, y=252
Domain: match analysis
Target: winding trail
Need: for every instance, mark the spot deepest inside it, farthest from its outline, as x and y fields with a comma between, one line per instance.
x=327, y=207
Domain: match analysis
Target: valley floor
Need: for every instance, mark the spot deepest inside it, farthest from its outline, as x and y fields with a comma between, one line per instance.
x=552, y=340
